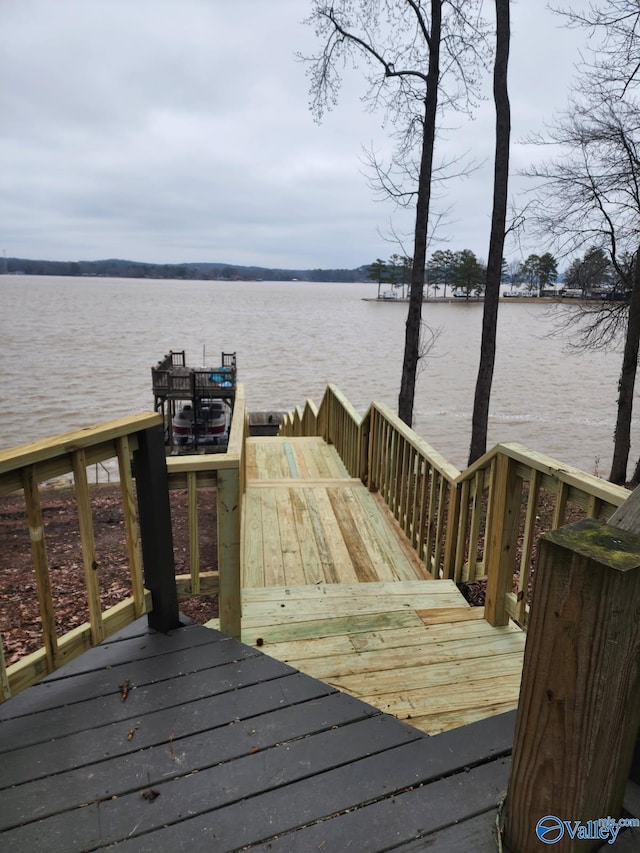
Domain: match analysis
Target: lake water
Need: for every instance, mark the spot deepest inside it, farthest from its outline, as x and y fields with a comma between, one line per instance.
x=77, y=351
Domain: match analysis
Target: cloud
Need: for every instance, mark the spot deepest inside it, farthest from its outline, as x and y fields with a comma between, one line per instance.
x=176, y=130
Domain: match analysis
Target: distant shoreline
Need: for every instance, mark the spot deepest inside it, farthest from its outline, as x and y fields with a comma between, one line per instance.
x=480, y=299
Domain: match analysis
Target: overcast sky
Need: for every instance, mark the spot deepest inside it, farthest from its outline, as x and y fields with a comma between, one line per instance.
x=179, y=130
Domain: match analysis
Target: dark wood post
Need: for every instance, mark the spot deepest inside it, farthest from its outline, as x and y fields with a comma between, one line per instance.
x=154, y=511
x=579, y=705
x=230, y=596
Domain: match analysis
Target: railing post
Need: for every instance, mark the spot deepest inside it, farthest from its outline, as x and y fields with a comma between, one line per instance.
x=580, y=696
x=229, y=551
x=504, y=514
x=364, y=432
x=154, y=512
x=453, y=521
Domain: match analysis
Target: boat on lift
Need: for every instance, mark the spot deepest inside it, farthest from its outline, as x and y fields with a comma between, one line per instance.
x=196, y=402
x=206, y=426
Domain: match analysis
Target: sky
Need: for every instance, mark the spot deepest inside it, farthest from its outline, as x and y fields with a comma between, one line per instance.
x=171, y=131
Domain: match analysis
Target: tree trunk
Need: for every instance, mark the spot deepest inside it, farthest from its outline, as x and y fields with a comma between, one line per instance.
x=496, y=242
x=626, y=385
x=414, y=314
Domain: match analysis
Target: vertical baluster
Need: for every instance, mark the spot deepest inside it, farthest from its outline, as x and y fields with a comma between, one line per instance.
x=431, y=521
x=474, y=532
x=41, y=565
x=527, y=545
x=560, y=508
x=132, y=530
x=87, y=540
x=439, y=524
x=194, y=539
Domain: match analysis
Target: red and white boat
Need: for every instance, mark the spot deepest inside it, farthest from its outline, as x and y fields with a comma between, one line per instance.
x=207, y=426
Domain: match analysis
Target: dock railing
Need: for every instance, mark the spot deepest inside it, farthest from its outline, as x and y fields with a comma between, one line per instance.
x=145, y=476
x=479, y=524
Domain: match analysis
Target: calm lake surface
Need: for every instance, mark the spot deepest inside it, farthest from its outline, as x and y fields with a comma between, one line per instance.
x=77, y=351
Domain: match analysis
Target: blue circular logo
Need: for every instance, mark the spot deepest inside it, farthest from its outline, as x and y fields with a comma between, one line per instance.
x=550, y=829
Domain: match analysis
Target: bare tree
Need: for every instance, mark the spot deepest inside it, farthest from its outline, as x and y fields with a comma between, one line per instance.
x=590, y=195
x=484, y=381
x=409, y=49
x=616, y=23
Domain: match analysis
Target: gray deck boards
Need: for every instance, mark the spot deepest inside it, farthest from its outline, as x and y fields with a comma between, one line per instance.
x=218, y=747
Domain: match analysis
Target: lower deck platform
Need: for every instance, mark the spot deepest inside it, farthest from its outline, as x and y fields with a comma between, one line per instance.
x=154, y=742
x=332, y=586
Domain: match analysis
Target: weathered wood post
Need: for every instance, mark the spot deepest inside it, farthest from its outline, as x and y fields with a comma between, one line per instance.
x=579, y=705
x=154, y=511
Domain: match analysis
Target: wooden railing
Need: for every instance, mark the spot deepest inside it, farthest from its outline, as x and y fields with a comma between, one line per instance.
x=417, y=484
x=508, y=498
x=145, y=479
x=23, y=469
x=482, y=523
x=225, y=472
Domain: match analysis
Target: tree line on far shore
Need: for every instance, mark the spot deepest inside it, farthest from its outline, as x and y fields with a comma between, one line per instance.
x=461, y=272
x=196, y=271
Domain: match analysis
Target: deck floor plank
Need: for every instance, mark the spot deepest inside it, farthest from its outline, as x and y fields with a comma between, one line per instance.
x=291, y=558
x=217, y=746
x=271, y=542
x=309, y=554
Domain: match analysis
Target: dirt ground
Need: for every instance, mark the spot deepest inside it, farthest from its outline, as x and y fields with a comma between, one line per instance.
x=19, y=620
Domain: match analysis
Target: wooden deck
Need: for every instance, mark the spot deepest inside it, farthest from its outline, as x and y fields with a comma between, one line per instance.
x=307, y=522
x=154, y=742
x=332, y=587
